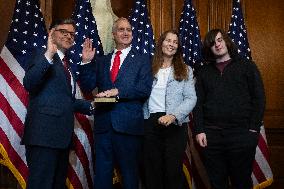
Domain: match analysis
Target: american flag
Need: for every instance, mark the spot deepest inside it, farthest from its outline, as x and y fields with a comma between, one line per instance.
x=143, y=37
x=191, y=48
x=237, y=30
x=85, y=28
x=190, y=35
x=27, y=33
x=262, y=175
x=81, y=169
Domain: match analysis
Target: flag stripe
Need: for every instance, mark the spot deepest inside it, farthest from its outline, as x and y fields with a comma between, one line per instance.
x=79, y=170
x=84, y=132
x=13, y=156
x=13, y=101
x=13, y=78
x=262, y=163
x=12, y=136
x=86, y=126
x=13, y=64
x=11, y=115
x=83, y=157
x=261, y=159
x=73, y=178
x=258, y=172
x=9, y=83
x=264, y=148
x=10, y=87
x=81, y=135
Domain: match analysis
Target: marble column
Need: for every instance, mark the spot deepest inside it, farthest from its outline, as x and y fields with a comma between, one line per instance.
x=105, y=17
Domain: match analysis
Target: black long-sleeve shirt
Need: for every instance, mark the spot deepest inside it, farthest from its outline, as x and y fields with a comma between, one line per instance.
x=232, y=98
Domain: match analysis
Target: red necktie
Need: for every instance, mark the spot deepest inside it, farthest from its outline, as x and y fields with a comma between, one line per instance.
x=115, y=66
x=66, y=69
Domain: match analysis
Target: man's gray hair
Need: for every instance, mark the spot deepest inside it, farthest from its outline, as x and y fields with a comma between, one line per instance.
x=114, y=26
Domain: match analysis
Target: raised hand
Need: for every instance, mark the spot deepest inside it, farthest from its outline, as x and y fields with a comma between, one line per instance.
x=51, y=46
x=88, y=51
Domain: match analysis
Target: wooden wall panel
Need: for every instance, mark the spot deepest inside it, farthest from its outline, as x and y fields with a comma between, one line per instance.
x=61, y=8
x=219, y=14
x=122, y=8
x=46, y=9
x=6, y=14
x=161, y=15
x=265, y=31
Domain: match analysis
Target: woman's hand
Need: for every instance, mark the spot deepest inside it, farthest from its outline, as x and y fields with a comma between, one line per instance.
x=166, y=120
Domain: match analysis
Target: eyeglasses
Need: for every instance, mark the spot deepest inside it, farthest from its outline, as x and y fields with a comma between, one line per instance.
x=65, y=32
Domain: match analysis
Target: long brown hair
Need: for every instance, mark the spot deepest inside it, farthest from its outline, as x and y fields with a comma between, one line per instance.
x=180, y=68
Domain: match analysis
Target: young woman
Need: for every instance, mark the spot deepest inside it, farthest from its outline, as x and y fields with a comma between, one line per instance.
x=166, y=114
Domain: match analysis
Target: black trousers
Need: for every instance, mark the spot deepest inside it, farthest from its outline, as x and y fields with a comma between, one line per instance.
x=163, y=153
x=229, y=156
x=47, y=167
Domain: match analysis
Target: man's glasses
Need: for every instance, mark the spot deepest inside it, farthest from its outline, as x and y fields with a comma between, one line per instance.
x=65, y=32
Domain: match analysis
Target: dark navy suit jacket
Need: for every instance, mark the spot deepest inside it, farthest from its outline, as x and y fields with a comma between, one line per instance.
x=134, y=82
x=50, y=113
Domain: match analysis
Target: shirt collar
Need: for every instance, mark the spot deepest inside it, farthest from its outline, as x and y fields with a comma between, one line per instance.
x=124, y=51
x=60, y=54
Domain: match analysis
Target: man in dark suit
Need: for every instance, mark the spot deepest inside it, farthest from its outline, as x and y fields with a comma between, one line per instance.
x=126, y=75
x=49, y=122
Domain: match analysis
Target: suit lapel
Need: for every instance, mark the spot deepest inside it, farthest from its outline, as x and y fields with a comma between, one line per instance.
x=126, y=63
x=58, y=63
x=106, y=69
